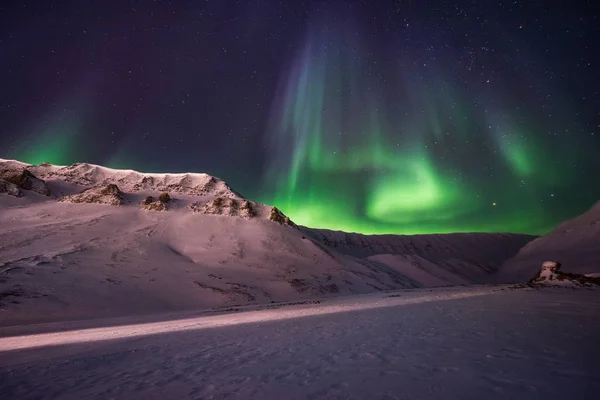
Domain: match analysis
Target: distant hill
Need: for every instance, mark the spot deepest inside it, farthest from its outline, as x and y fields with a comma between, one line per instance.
x=575, y=244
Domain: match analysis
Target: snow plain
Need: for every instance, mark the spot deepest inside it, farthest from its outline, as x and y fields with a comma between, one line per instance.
x=485, y=342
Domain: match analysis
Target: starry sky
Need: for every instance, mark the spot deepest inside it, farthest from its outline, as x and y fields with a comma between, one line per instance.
x=380, y=116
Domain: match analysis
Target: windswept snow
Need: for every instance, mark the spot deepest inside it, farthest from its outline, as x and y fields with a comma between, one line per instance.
x=454, y=343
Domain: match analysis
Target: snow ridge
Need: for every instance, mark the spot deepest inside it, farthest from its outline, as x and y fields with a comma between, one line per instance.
x=84, y=174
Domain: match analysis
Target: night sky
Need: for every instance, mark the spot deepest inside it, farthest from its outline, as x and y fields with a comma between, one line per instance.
x=367, y=116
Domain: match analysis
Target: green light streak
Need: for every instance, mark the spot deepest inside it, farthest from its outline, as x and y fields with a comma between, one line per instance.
x=517, y=152
x=55, y=145
x=57, y=139
x=342, y=161
x=413, y=189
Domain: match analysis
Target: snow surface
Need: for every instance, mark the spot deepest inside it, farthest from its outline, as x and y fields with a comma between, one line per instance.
x=70, y=261
x=445, y=343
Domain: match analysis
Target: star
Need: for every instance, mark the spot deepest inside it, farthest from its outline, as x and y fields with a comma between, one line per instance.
x=372, y=117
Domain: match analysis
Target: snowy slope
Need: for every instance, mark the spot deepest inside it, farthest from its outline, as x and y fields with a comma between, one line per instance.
x=575, y=244
x=434, y=260
x=451, y=343
x=62, y=258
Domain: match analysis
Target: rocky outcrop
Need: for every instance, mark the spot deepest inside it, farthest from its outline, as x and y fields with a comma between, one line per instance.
x=164, y=198
x=225, y=206
x=160, y=204
x=549, y=275
x=280, y=218
x=24, y=179
x=246, y=209
x=155, y=206
x=109, y=195
x=10, y=189
x=240, y=208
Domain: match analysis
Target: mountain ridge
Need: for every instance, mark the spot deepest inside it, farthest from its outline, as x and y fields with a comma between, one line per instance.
x=201, y=247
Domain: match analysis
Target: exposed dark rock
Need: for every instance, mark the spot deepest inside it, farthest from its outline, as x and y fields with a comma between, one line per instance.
x=10, y=188
x=155, y=206
x=109, y=194
x=148, y=200
x=549, y=274
x=111, y=190
x=160, y=204
x=164, y=197
x=246, y=209
x=280, y=217
x=24, y=179
x=225, y=206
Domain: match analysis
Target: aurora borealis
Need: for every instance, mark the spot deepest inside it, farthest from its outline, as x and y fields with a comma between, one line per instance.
x=372, y=117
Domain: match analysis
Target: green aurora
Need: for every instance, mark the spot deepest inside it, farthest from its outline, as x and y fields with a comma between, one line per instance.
x=357, y=146
x=347, y=161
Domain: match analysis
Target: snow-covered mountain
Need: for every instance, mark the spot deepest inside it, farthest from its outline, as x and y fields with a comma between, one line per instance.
x=575, y=244
x=87, y=175
x=107, y=242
